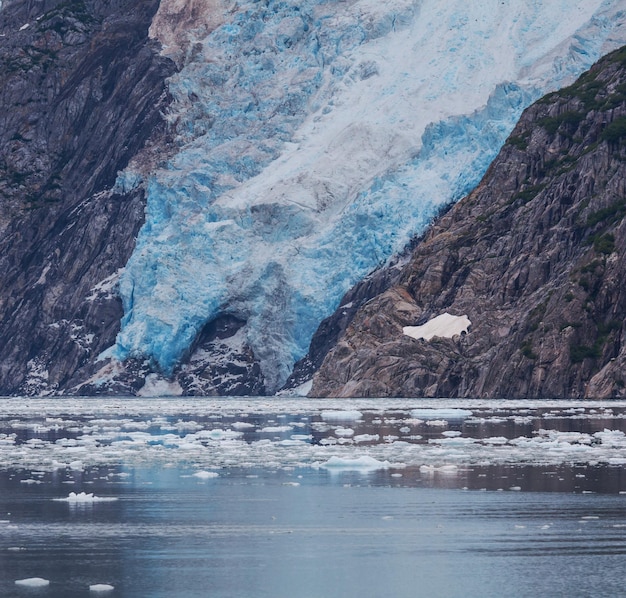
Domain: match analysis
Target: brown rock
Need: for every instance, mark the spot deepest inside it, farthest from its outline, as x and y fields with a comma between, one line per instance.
x=535, y=257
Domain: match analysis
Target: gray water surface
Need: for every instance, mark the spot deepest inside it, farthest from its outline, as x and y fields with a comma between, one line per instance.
x=281, y=500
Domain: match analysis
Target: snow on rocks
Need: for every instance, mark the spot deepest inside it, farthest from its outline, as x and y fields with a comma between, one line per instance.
x=442, y=326
x=155, y=386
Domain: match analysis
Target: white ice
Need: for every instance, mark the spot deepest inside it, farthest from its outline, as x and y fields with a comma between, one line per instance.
x=197, y=434
x=440, y=414
x=101, y=587
x=83, y=497
x=363, y=463
x=206, y=475
x=341, y=415
x=444, y=326
x=32, y=582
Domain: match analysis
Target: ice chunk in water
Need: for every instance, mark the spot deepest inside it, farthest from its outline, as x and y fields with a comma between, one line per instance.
x=206, y=475
x=83, y=497
x=101, y=587
x=363, y=463
x=339, y=415
x=446, y=414
x=32, y=582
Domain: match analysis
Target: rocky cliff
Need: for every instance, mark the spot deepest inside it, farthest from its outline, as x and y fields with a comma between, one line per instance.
x=82, y=91
x=535, y=257
x=85, y=94
x=223, y=273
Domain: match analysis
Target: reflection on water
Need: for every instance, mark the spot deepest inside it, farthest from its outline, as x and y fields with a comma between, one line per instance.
x=307, y=533
x=252, y=499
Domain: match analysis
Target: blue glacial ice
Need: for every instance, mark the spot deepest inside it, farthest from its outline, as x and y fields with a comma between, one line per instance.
x=315, y=139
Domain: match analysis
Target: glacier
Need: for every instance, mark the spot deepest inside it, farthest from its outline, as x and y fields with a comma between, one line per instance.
x=314, y=139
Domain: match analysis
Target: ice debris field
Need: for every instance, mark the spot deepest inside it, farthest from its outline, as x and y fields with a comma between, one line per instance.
x=315, y=139
x=206, y=438
x=40, y=582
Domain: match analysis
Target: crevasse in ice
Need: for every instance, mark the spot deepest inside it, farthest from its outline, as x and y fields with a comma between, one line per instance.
x=315, y=139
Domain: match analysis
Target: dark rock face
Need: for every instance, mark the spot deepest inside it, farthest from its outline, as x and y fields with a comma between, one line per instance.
x=82, y=93
x=535, y=257
x=220, y=363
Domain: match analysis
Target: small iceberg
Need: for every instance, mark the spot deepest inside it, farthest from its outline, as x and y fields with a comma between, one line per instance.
x=83, y=497
x=340, y=415
x=32, y=582
x=206, y=475
x=101, y=587
x=363, y=463
x=440, y=414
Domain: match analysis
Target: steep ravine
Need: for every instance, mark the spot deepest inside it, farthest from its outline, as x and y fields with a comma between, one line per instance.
x=535, y=257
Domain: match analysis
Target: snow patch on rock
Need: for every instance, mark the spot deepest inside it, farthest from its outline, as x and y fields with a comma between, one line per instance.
x=443, y=326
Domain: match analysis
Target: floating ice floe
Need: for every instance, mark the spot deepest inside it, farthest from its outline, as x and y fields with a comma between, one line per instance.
x=121, y=434
x=83, y=497
x=32, y=582
x=344, y=432
x=440, y=414
x=363, y=463
x=442, y=326
x=101, y=587
x=206, y=475
x=338, y=415
x=366, y=438
x=276, y=429
x=242, y=426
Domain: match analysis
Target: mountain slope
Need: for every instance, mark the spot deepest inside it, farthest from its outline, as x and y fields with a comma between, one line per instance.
x=188, y=187
x=314, y=140
x=534, y=257
x=82, y=90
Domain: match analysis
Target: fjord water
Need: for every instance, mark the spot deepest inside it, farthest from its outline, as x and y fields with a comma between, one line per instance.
x=273, y=497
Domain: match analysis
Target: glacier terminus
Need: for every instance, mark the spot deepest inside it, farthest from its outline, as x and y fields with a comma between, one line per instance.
x=313, y=140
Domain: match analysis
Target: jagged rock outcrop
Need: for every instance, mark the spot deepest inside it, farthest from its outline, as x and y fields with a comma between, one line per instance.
x=535, y=257
x=82, y=92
